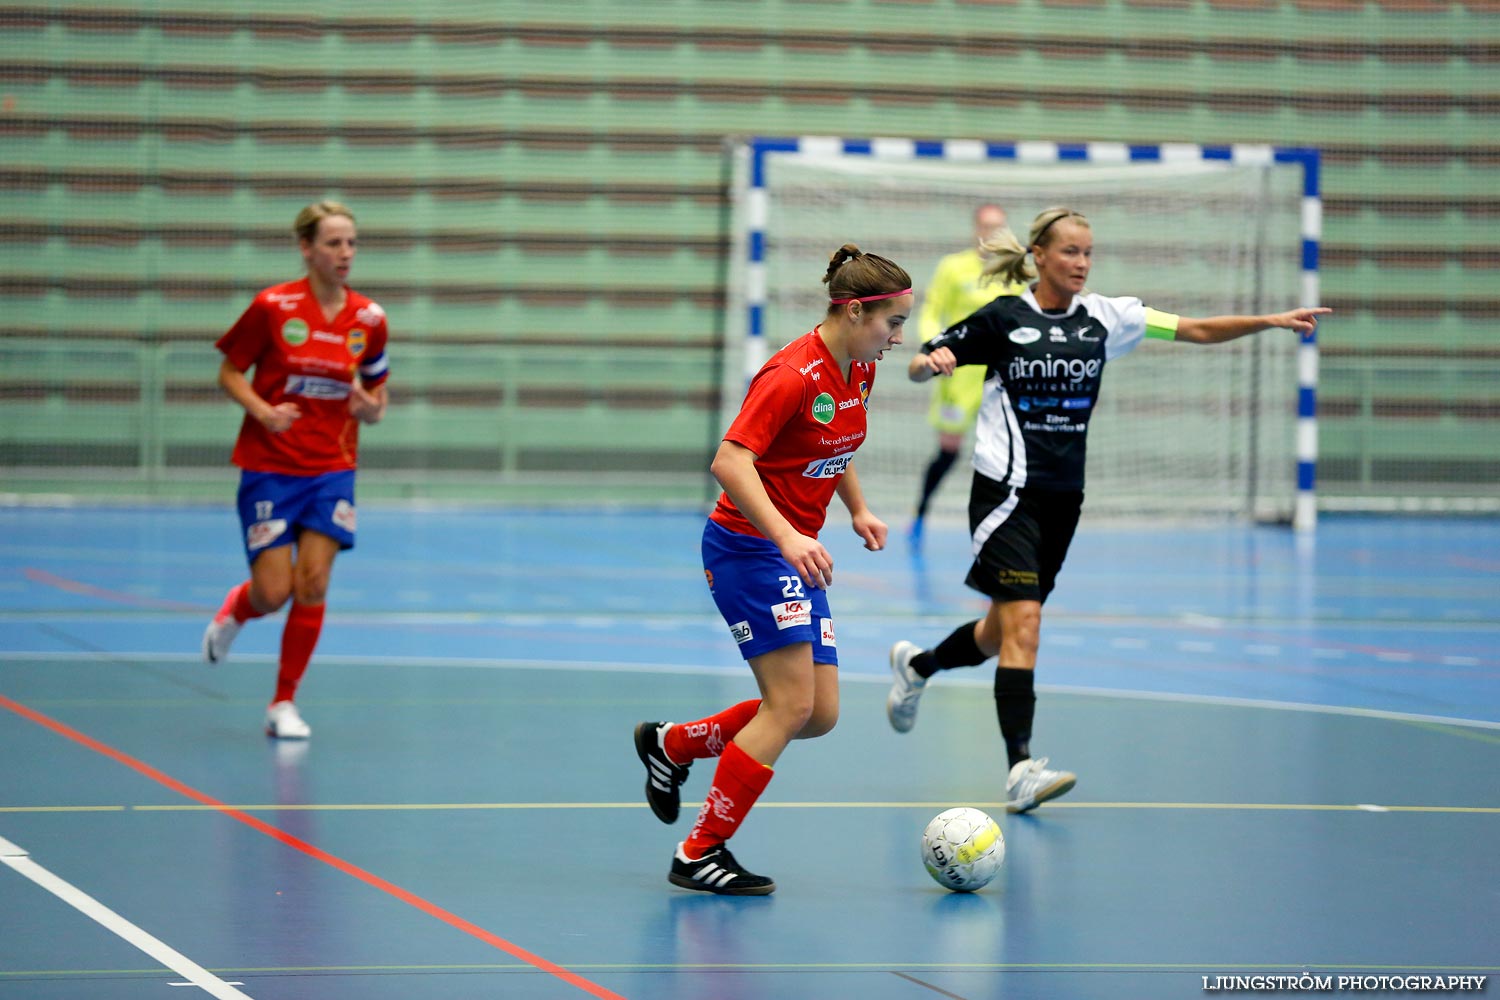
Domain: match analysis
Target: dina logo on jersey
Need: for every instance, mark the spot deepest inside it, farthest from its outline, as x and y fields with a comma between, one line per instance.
x=294, y=332
x=824, y=408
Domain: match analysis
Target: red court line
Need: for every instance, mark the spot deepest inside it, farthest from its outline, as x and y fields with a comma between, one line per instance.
x=411, y=899
x=119, y=597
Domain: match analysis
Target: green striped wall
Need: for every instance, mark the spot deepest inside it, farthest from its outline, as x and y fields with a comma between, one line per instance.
x=535, y=180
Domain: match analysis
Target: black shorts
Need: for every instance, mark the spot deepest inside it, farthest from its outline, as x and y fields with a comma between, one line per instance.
x=1020, y=538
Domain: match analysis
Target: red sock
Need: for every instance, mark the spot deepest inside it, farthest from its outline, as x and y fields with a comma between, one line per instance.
x=303, y=625
x=687, y=741
x=738, y=782
x=237, y=605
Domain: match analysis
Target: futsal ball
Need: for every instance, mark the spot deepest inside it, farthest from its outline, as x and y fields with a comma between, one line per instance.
x=963, y=849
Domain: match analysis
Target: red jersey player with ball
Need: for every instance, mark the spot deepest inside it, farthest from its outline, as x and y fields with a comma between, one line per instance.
x=318, y=350
x=789, y=450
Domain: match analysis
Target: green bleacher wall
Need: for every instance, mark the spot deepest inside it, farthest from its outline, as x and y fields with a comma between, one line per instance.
x=541, y=194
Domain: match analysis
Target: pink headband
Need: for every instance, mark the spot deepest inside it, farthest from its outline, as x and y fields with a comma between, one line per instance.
x=870, y=298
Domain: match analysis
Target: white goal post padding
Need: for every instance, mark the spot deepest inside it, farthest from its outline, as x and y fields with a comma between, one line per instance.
x=1180, y=430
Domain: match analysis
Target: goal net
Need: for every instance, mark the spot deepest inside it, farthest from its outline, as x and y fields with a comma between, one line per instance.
x=1180, y=430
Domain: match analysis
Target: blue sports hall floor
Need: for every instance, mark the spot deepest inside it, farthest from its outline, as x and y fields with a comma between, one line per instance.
x=1288, y=761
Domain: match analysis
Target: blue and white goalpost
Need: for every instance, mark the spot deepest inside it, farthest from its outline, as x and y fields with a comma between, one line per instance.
x=1196, y=230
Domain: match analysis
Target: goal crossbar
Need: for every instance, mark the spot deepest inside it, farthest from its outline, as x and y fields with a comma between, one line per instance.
x=877, y=161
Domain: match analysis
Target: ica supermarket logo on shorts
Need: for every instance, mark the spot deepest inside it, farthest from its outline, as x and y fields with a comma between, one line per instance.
x=294, y=332
x=823, y=408
x=791, y=613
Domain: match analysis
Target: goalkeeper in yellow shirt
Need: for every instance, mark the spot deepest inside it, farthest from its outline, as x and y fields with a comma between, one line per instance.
x=954, y=293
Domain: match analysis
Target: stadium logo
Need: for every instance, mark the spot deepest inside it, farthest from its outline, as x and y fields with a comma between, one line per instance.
x=294, y=332
x=823, y=408
x=1025, y=335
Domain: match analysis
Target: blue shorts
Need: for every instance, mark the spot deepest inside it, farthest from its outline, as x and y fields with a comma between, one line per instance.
x=274, y=508
x=763, y=600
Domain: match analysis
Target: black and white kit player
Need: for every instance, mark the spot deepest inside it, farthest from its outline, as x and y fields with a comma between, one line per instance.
x=1042, y=379
x=1044, y=353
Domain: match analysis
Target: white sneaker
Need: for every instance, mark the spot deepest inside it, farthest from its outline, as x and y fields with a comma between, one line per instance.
x=906, y=689
x=217, y=639
x=284, y=722
x=1031, y=782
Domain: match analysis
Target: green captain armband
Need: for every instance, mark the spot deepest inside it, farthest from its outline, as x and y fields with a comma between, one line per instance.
x=1161, y=325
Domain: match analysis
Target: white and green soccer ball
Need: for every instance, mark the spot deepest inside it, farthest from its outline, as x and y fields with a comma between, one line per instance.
x=963, y=849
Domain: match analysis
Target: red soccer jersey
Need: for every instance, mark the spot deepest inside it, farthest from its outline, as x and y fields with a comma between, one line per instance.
x=303, y=358
x=804, y=419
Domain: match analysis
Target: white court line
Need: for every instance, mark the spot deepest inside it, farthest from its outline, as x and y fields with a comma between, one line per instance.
x=632, y=667
x=16, y=857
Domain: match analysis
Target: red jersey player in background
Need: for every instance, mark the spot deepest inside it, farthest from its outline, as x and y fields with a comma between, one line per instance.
x=780, y=463
x=318, y=350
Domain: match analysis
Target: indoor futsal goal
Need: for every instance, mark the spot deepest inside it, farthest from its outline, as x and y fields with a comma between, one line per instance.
x=1180, y=430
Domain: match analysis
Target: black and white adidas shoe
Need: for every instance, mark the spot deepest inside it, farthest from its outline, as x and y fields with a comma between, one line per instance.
x=663, y=778
x=717, y=872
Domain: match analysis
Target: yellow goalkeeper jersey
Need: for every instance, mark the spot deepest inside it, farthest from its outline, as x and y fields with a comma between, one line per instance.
x=955, y=293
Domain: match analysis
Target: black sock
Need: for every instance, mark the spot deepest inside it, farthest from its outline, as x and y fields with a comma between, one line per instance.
x=1015, y=705
x=958, y=650
x=936, y=470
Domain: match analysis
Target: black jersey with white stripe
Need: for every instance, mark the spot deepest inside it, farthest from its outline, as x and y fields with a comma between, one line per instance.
x=1043, y=371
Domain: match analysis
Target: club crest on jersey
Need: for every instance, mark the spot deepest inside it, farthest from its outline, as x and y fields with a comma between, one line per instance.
x=356, y=341
x=294, y=332
x=823, y=408
x=864, y=392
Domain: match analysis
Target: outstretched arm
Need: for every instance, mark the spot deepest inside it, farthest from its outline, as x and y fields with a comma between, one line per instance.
x=1218, y=329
